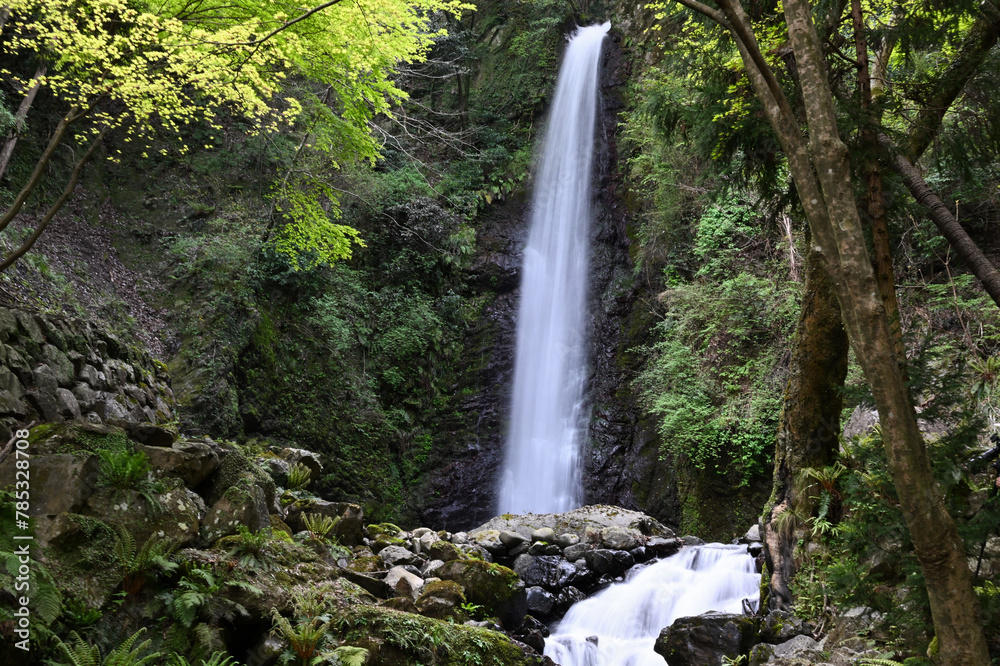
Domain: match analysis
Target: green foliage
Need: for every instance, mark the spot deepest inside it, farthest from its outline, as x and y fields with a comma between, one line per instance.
x=318, y=524
x=215, y=659
x=299, y=476
x=716, y=347
x=124, y=470
x=198, y=595
x=135, y=564
x=304, y=638
x=80, y=653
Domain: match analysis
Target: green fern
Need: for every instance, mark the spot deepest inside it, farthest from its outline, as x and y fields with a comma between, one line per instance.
x=318, y=524
x=299, y=476
x=197, y=595
x=136, y=564
x=347, y=655
x=304, y=638
x=879, y=662
x=81, y=653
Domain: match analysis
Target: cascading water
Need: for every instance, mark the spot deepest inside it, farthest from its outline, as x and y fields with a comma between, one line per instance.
x=619, y=626
x=541, y=472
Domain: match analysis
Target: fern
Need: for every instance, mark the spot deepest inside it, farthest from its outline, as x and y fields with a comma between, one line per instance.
x=299, y=476
x=879, y=662
x=347, y=655
x=304, y=638
x=80, y=653
x=318, y=524
x=217, y=659
x=155, y=552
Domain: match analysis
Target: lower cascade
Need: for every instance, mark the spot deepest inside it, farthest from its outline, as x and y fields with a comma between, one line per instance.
x=619, y=626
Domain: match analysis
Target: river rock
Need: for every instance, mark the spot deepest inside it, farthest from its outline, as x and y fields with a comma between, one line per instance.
x=567, y=540
x=596, y=517
x=799, y=647
x=441, y=600
x=546, y=571
x=664, y=547
x=601, y=561
x=349, y=530
x=546, y=534
x=397, y=555
x=541, y=602
x=568, y=596
x=704, y=640
x=512, y=539
x=575, y=552
x=445, y=551
x=405, y=583
x=496, y=588
x=192, y=462
x=617, y=538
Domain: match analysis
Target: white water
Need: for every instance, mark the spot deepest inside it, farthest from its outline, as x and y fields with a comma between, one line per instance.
x=626, y=618
x=541, y=472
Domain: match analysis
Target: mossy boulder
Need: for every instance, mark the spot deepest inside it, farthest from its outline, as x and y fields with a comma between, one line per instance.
x=442, y=600
x=240, y=505
x=396, y=638
x=376, y=530
x=80, y=561
x=445, y=551
x=235, y=469
x=496, y=588
x=365, y=564
x=171, y=514
x=384, y=541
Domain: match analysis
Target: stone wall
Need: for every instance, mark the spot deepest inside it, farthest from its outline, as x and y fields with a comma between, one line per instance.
x=54, y=369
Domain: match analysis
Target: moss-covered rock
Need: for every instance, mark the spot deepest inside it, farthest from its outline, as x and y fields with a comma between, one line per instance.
x=496, y=588
x=395, y=638
x=442, y=600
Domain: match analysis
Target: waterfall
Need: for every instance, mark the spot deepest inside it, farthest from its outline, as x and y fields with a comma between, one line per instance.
x=618, y=626
x=542, y=472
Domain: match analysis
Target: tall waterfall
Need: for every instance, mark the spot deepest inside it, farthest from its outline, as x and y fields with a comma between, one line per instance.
x=619, y=626
x=542, y=472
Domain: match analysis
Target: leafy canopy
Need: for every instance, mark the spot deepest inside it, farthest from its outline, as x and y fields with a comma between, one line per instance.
x=139, y=64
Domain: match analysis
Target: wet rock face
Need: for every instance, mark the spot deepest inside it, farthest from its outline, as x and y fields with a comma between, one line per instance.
x=705, y=640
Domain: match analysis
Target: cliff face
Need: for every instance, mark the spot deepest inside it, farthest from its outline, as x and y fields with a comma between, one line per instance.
x=622, y=465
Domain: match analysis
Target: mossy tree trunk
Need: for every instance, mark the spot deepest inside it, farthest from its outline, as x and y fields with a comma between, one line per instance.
x=810, y=421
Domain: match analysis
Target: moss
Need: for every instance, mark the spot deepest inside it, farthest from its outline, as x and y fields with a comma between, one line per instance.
x=81, y=564
x=395, y=638
x=377, y=529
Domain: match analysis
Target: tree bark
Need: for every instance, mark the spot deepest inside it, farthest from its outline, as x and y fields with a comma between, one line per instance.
x=946, y=223
x=809, y=425
x=821, y=172
x=938, y=548
x=43, y=162
x=54, y=208
x=22, y=113
x=874, y=206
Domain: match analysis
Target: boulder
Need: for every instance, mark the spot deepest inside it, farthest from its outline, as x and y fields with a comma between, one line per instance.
x=601, y=561
x=546, y=571
x=12, y=405
x=350, y=530
x=397, y=555
x=44, y=403
x=567, y=540
x=307, y=458
x=152, y=435
x=238, y=506
x=192, y=462
x=59, y=483
x=445, y=551
x=441, y=600
x=541, y=602
x=317, y=506
x=575, y=552
x=664, y=547
x=799, y=647
x=44, y=379
x=618, y=538
x=705, y=640
x=62, y=367
x=546, y=534
x=9, y=381
x=780, y=626
x=496, y=588
x=568, y=596
x=404, y=583
x=595, y=517
x=512, y=539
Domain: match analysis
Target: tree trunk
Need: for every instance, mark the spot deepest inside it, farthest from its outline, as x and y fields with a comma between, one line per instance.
x=22, y=113
x=822, y=176
x=938, y=547
x=810, y=421
x=946, y=223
